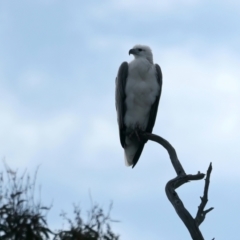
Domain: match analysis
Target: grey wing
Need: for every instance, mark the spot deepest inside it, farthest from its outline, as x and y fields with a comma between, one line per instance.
x=120, y=99
x=154, y=108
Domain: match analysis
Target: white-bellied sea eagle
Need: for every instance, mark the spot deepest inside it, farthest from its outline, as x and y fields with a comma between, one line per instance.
x=138, y=90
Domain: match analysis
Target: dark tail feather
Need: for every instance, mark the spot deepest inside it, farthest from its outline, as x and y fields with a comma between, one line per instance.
x=138, y=154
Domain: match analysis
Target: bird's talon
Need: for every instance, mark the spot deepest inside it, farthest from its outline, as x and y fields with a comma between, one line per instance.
x=137, y=132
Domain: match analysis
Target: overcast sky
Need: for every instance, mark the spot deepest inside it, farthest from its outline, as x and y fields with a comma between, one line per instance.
x=58, y=63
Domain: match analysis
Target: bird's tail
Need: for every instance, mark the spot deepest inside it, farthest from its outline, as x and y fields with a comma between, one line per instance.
x=132, y=152
x=129, y=153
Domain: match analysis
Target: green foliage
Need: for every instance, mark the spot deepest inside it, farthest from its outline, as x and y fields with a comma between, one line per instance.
x=22, y=218
x=96, y=228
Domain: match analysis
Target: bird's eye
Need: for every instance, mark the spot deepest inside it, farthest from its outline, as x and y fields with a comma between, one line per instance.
x=139, y=49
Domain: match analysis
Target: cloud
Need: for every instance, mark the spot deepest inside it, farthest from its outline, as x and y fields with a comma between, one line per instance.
x=23, y=136
x=101, y=134
x=161, y=6
x=32, y=79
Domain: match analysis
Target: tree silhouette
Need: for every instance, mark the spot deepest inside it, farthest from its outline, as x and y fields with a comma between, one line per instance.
x=97, y=226
x=24, y=218
x=20, y=216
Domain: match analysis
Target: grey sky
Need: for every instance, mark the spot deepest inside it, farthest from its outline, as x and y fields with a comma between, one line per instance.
x=58, y=62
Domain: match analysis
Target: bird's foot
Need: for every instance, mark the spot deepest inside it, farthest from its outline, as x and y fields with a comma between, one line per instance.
x=136, y=132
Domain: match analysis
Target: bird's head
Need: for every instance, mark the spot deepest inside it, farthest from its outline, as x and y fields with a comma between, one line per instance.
x=141, y=51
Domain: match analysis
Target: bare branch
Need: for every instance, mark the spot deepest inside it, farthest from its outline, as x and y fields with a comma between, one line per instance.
x=178, y=204
x=201, y=214
x=191, y=223
x=171, y=151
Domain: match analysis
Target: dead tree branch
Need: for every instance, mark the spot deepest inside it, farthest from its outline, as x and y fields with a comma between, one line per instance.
x=191, y=223
x=201, y=212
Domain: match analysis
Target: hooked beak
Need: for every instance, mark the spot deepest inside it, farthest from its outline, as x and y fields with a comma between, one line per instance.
x=132, y=51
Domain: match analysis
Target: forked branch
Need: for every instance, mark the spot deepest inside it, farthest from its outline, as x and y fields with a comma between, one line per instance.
x=191, y=223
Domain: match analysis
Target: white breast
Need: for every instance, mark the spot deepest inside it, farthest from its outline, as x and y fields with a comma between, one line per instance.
x=141, y=91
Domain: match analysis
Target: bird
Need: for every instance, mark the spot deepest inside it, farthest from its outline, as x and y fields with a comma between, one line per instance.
x=137, y=94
